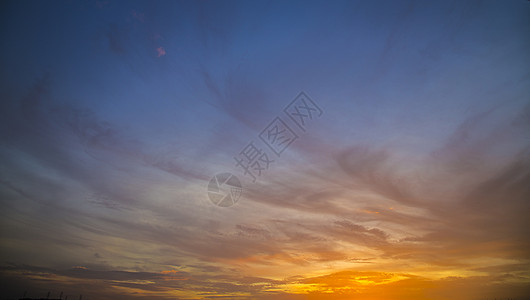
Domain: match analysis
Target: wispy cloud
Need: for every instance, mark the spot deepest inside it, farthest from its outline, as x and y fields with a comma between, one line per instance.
x=160, y=51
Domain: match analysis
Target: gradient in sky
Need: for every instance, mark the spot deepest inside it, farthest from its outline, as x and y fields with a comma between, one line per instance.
x=413, y=184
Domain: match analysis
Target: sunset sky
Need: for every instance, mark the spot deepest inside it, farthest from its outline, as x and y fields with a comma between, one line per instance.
x=410, y=180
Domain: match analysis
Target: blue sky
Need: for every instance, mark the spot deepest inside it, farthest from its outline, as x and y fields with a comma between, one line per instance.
x=116, y=115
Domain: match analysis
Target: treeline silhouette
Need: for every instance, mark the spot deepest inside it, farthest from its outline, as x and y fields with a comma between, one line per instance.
x=48, y=297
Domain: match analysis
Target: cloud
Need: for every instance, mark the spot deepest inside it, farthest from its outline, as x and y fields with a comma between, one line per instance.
x=160, y=52
x=370, y=185
x=64, y=162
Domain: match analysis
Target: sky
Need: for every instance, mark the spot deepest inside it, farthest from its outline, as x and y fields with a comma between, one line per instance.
x=265, y=149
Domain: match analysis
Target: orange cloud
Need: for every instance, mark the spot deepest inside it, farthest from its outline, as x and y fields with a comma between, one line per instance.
x=170, y=272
